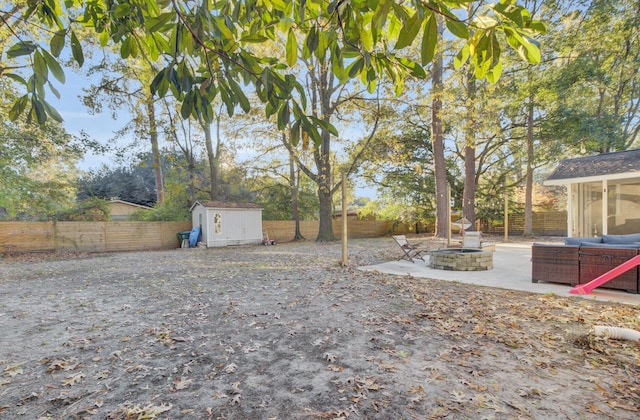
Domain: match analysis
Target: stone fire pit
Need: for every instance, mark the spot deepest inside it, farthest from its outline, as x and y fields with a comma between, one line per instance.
x=462, y=259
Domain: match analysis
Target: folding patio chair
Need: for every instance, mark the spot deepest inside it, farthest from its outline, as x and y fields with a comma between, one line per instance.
x=410, y=252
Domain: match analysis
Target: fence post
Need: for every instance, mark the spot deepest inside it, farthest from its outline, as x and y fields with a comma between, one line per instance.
x=506, y=215
x=345, y=256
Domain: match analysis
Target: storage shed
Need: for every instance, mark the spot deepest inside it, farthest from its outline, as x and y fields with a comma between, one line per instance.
x=226, y=223
x=603, y=193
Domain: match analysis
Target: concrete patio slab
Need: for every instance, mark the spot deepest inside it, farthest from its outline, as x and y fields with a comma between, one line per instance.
x=512, y=270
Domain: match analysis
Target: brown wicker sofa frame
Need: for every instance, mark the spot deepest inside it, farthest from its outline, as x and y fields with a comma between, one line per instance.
x=581, y=260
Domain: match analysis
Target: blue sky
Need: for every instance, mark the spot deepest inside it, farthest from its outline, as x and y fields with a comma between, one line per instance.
x=101, y=127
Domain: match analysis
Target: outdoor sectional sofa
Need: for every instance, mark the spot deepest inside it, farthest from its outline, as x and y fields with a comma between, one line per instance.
x=581, y=260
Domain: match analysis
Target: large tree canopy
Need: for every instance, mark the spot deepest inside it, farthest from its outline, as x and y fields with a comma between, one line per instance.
x=207, y=49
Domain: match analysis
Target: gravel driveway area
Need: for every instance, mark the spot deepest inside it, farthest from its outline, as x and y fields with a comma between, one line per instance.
x=285, y=332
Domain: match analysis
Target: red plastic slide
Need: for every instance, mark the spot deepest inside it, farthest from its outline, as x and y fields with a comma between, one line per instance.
x=585, y=289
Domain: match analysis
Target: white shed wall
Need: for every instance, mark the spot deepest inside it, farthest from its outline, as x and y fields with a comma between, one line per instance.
x=234, y=227
x=199, y=218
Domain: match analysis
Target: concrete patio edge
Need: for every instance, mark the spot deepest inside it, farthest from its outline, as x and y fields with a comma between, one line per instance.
x=512, y=271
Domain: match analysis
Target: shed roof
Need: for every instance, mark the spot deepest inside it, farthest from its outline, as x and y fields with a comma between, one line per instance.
x=616, y=165
x=225, y=205
x=129, y=203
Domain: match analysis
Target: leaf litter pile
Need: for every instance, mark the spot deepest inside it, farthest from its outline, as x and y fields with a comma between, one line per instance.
x=285, y=332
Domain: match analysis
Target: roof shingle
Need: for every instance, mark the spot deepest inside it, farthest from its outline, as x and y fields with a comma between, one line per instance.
x=598, y=165
x=229, y=205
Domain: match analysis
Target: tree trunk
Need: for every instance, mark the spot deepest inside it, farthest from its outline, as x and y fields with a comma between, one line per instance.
x=437, y=137
x=155, y=150
x=325, y=196
x=325, y=232
x=294, y=184
x=469, y=194
x=323, y=162
x=528, y=193
x=213, y=157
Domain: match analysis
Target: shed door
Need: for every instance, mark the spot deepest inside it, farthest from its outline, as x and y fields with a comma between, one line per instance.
x=236, y=225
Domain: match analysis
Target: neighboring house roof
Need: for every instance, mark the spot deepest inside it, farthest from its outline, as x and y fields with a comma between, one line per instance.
x=617, y=165
x=349, y=213
x=225, y=205
x=131, y=204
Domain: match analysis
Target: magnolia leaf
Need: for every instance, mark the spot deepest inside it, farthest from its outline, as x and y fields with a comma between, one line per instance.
x=21, y=48
x=366, y=38
x=254, y=38
x=57, y=43
x=54, y=66
x=155, y=83
x=356, y=67
x=40, y=68
x=325, y=125
x=239, y=95
x=511, y=12
x=294, y=133
x=532, y=49
x=462, y=57
x=187, y=106
x=76, y=49
x=538, y=26
x=494, y=74
x=380, y=15
x=409, y=31
x=153, y=24
x=121, y=10
x=104, y=38
x=18, y=108
x=312, y=40
x=37, y=110
x=485, y=22
x=309, y=131
x=414, y=68
x=429, y=40
x=458, y=28
x=16, y=77
x=284, y=114
x=292, y=48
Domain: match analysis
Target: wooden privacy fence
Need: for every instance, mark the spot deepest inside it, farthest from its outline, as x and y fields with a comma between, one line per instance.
x=89, y=236
x=284, y=230
x=132, y=236
x=544, y=224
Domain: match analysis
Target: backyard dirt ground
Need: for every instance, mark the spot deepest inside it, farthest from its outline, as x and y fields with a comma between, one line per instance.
x=285, y=332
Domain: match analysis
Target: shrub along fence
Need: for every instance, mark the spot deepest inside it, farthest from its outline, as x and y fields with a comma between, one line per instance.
x=132, y=236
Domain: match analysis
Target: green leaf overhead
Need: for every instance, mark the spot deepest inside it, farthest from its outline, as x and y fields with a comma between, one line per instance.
x=361, y=39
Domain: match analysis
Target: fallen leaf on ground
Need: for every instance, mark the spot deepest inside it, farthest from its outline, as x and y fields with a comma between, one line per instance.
x=14, y=370
x=181, y=383
x=62, y=364
x=73, y=379
x=148, y=412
